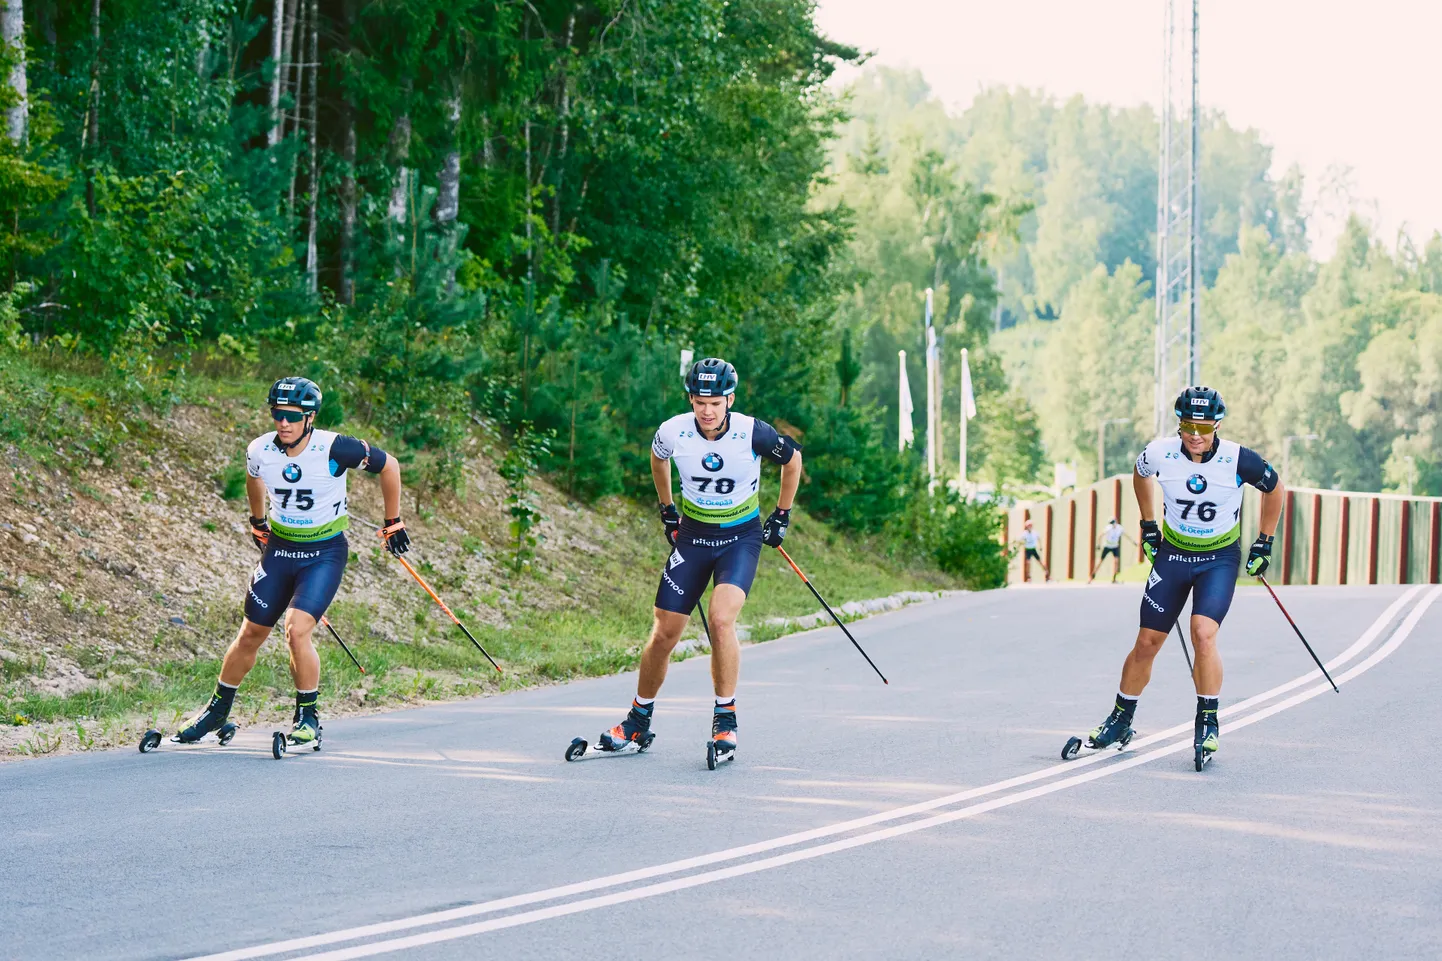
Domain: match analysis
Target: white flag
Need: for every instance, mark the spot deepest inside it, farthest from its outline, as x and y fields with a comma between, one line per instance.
x=906, y=434
x=686, y=356
x=968, y=399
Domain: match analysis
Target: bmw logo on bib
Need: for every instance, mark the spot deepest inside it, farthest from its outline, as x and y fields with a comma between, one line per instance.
x=712, y=462
x=1196, y=483
x=291, y=472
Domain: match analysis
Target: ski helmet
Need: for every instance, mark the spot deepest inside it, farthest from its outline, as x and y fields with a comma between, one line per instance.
x=295, y=392
x=712, y=377
x=1200, y=403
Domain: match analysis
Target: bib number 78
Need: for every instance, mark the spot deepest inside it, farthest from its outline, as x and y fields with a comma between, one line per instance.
x=1206, y=510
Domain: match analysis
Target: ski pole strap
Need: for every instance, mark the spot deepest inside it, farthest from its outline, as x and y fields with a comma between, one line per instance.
x=386, y=532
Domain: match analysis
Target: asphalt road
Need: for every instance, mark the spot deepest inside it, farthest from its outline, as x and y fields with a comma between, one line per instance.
x=929, y=819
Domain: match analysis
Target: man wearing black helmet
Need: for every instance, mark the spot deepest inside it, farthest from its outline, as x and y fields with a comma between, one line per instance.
x=1194, y=550
x=717, y=534
x=301, y=472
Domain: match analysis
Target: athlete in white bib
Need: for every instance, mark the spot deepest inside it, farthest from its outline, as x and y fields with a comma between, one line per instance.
x=1110, y=542
x=717, y=536
x=296, y=484
x=1194, y=550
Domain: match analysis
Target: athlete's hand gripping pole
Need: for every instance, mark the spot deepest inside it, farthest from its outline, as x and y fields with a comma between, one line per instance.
x=456, y=620
x=818, y=596
x=326, y=621
x=1299, y=633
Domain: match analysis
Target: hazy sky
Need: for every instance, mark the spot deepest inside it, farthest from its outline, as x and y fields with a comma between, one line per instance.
x=1330, y=84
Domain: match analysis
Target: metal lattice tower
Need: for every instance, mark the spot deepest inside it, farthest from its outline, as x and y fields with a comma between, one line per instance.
x=1177, y=354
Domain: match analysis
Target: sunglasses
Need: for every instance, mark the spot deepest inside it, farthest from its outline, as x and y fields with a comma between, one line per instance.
x=289, y=416
x=1197, y=430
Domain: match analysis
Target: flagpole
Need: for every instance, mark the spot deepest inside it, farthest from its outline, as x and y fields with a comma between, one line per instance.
x=930, y=394
x=965, y=377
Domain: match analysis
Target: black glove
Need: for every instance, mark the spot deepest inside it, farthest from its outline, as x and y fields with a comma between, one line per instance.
x=260, y=531
x=395, y=536
x=773, y=532
x=1151, y=540
x=1259, y=558
x=671, y=519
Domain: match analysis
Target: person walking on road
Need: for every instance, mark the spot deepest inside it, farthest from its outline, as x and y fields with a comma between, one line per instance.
x=717, y=534
x=1195, y=550
x=1110, y=542
x=1031, y=546
x=296, y=484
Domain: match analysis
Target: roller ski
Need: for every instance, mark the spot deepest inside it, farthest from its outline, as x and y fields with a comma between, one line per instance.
x=1207, y=736
x=305, y=732
x=631, y=736
x=1116, y=732
x=722, y=746
x=212, y=720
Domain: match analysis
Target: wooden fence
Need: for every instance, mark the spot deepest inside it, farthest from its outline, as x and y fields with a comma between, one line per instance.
x=1325, y=537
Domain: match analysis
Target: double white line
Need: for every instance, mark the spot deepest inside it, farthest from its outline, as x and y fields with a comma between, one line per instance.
x=691, y=880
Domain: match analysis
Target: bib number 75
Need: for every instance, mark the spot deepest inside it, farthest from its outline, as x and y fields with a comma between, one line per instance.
x=304, y=498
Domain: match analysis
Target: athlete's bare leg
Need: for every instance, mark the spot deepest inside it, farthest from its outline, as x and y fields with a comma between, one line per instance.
x=665, y=632
x=1208, y=672
x=726, y=601
x=240, y=656
x=1137, y=670
x=304, y=661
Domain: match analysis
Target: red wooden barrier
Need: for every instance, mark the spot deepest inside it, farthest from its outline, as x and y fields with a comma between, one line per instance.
x=1432, y=561
x=1071, y=539
x=1316, y=546
x=1050, y=515
x=1373, y=523
x=1344, y=523
x=1404, y=549
x=1287, y=538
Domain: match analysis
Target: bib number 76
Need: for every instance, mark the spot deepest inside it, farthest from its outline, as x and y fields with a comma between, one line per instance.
x=1206, y=510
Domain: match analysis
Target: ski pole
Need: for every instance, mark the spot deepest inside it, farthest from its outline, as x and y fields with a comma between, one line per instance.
x=326, y=621
x=700, y=609
x=1185, y=653
x=1181, y=638
x=1299, y=633
x=818, y=596
x=456, y=620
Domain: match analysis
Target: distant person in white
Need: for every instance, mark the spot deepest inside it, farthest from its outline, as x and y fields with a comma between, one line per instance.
x=1110, y=542
x=1029, y=542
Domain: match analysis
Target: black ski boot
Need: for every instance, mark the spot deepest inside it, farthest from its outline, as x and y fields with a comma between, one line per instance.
x=213, y=718
x=633, y=732
x=1207, y=734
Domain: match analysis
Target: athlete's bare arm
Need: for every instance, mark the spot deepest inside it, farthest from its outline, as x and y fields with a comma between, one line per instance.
x=391, y=487
x=255, y=493
x=790, y=478
x=1146, y=491
x=1272, y=509
x=661, y=477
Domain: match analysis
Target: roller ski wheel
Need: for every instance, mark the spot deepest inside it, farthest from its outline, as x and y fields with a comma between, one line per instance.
x=149, y=741
x=1202, y=757
x=718, y=753
x=1078, y=745
x=581, y=750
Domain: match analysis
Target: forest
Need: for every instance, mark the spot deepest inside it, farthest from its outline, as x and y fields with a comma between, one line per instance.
x=522, y=212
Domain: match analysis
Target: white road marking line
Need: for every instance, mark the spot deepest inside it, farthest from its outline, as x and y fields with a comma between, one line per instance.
x=806, y=854
x=801, y=837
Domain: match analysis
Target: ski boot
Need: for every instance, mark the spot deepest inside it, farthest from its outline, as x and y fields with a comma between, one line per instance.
x=1115, y=730
x=1207, y=736
x=213, y=718
x=305, y=731
x=632, y=734
x=722, y=746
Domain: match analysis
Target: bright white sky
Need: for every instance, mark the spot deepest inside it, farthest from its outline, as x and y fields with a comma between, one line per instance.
x=1331, y=84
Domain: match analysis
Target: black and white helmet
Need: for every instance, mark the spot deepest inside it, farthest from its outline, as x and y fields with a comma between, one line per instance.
x=1200, y=403
x=712, y=377
x=295, y=392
